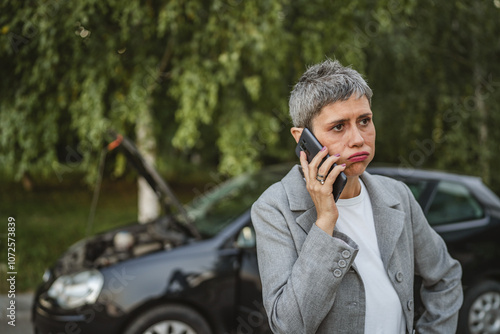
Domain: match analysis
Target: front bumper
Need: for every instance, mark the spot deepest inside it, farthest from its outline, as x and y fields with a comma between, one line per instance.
x=95, y=319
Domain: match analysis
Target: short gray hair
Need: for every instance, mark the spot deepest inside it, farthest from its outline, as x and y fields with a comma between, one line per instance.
x=323, y=84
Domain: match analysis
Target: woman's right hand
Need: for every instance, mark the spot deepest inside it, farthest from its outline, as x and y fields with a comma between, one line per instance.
x=321, y=194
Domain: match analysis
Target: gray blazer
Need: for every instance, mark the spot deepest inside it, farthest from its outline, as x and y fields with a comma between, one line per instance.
x=309, y=282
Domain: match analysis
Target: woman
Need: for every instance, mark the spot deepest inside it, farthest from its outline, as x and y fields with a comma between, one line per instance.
x=348, y=267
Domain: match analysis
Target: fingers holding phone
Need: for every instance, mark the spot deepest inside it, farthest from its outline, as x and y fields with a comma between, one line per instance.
x=311, y=164
x=322, y=172
x=316, y=155
x=319, y=184
x=327, y=169
x=325, y=179
x=334, y=172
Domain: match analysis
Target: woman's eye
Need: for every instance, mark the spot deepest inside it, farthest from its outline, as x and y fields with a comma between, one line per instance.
x=365, y=121
x=338, y=127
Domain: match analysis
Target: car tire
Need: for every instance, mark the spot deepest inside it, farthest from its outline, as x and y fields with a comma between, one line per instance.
x=169, y=319
x=480, y=312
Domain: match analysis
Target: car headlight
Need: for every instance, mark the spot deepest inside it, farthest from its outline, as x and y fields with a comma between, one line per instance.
x=74, y=290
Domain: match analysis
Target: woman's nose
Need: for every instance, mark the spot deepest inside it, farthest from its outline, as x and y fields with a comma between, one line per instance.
x=356, y=138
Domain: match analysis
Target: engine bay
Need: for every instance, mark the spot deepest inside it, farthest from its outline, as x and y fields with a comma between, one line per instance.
x=121, y=244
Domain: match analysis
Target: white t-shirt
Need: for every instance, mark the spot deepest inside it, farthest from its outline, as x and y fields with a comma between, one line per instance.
x=384, y=313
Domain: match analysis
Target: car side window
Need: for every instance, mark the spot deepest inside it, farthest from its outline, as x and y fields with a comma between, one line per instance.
x=453, y=203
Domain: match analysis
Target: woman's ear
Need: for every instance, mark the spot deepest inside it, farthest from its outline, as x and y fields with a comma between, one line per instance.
x=296, y=133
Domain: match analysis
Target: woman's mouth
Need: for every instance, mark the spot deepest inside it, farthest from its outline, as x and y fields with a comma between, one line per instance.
x=359, y=156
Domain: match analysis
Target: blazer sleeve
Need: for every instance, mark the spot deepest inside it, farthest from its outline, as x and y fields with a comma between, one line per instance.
x=298, y=285
x=441, y=291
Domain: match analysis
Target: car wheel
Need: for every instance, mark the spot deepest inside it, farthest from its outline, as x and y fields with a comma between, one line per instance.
x=169, y=319
x=480, y=313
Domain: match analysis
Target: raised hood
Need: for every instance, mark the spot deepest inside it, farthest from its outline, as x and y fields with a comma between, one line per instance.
x=169, y=201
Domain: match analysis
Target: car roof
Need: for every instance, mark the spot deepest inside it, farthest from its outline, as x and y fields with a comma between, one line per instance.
x=413, y=173
x=474, y=183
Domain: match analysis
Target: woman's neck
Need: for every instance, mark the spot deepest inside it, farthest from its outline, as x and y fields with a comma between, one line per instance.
x=352, y=188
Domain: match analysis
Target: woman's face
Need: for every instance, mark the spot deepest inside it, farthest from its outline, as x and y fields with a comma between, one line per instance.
x=346, y=128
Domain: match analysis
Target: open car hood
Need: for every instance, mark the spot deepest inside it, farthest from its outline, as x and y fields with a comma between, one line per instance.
x=169, y=201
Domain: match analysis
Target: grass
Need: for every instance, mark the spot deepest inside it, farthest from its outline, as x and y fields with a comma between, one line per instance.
x=49, y=220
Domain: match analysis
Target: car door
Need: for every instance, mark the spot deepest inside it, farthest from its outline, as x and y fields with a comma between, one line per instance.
x=251, y=315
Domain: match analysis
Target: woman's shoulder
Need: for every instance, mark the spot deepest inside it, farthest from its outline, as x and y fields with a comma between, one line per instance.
x=388, y=185
x=384, y=180
x=279, y=192
x=276, y=190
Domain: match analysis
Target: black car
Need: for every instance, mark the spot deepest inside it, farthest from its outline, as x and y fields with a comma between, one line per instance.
x=467, y=216
x=194, y=269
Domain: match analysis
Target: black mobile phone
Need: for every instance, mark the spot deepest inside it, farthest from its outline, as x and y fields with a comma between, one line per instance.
x=311, y=146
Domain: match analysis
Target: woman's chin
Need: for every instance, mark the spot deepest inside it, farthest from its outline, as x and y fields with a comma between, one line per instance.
x=355, y=169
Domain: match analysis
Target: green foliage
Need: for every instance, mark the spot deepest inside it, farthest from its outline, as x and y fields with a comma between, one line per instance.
x=435, y=104
x=216, y=76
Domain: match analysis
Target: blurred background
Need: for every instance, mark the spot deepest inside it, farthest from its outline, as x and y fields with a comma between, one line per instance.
x=202, y=87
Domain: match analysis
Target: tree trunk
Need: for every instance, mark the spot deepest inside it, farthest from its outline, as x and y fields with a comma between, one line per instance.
x=148, y=205
x=484, y=156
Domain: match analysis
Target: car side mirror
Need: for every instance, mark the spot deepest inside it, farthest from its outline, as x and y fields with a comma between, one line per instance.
x=246, y=238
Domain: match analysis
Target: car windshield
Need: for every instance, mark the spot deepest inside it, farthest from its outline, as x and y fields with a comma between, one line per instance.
x=215, y=209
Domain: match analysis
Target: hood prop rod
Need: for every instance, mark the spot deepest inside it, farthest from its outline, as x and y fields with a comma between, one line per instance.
x=95, y=196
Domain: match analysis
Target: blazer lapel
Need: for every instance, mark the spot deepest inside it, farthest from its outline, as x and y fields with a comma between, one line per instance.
x=299, y=199
x=389, y=221
x=307, y=219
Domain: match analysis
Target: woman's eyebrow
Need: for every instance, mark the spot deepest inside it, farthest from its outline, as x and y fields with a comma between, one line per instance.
x=342, y=120
x=337, y=121
x=365, y=115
